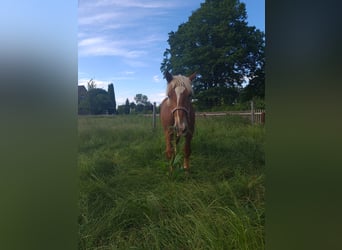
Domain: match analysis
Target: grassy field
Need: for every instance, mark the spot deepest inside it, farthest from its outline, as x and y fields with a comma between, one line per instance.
x=128, y=200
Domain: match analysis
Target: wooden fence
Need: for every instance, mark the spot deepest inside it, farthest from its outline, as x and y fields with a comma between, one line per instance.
x=255, y=116
x=259, y=116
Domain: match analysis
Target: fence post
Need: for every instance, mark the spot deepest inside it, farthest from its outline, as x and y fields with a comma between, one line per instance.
x=263, y=117
x=252, y=112
x=154, y=116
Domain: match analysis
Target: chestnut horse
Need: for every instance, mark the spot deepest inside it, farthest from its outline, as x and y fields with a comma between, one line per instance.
x=177, y=115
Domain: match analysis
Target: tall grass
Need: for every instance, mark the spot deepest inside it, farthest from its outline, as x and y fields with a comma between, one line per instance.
x=128, y=200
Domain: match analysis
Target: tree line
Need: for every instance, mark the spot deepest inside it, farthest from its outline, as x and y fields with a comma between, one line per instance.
x=96, y=101
x=141, y=106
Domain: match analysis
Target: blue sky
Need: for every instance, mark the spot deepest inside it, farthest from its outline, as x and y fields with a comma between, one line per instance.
x=122, y=42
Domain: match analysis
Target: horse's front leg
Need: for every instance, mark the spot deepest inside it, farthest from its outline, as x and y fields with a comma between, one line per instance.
x=187, y=152
x=169, y=145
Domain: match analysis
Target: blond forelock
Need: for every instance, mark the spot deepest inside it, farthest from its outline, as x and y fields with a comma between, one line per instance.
x=178, y=81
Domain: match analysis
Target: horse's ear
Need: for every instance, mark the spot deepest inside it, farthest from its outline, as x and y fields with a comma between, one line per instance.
x=168, y=76
x=192, y=77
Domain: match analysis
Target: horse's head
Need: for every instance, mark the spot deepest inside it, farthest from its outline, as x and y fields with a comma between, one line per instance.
x=179, y=92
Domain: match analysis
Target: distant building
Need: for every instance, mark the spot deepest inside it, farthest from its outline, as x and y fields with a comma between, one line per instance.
x=82, y=93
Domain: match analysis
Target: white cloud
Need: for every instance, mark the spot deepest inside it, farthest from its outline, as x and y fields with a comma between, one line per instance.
x=83, y=81
x=101, y=46
x=99, y=83
x=147, y=4
x=97, y=18
x=156, y=78
x=102, y=84
x=90, y=41
x=106, y=45
x=80, y=73
x=121, y=100
x=120, y=28
x=136, y=63
x=157, y=97
x=144, y=4
x=118, y=78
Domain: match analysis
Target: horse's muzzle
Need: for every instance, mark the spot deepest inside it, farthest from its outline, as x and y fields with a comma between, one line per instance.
x=180, y=115
x=181, y=129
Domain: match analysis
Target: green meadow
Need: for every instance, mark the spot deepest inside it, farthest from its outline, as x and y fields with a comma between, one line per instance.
x=129, y=200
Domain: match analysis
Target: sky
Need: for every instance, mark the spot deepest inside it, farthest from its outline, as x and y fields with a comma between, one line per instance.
x=122, y=42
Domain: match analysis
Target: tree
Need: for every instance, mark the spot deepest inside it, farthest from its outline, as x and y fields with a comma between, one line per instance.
x=132, y=106
x=143, y=105
x=255, y=88
x=148, y=108
x=84, y=107
x=217, y=43
x=219, y=96
x=127, y=107
x=111, y=93
x=91, y=84
x=140, y=99
x=121, y=109
x=99, y=101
